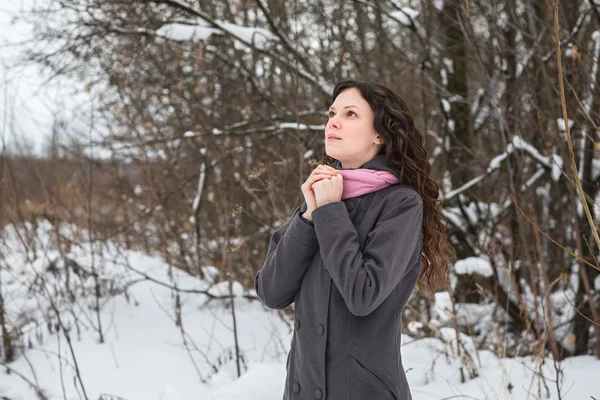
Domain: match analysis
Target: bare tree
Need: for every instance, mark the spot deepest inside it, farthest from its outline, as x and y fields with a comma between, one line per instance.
x=213, y=113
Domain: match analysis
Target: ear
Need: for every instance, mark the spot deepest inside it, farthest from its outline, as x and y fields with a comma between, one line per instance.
x=378, y=140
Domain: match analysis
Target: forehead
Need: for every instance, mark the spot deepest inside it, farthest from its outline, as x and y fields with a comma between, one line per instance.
x=350, y=96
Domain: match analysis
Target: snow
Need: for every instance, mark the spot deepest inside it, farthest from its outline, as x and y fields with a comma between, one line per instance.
x=446, y=106
x=257, y=36
x=594, y=72
x=444, y=75
x=554, y=162
x=438, y=4
x=187, y=32
x=467, y=315
x=405, y=15
x=496, y=161
x=464, y=187
x=197, y=198
x=222, y=289
x=201, y=30
x=294, y=125
x=146, y=355
x=473, y=265
x=560, y=123
x=449, y=63
x=451, y=125
x=538, y=174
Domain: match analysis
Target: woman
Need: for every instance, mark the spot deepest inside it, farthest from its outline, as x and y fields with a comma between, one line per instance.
x=369, y=231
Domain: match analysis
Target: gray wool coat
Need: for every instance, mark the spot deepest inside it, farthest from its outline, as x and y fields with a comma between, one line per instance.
x=349, y=273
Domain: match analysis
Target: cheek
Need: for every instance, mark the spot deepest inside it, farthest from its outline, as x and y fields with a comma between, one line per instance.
x=362, y=136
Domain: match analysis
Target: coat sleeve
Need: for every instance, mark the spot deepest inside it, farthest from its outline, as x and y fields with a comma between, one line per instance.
x=365, y=278
x=290, y=252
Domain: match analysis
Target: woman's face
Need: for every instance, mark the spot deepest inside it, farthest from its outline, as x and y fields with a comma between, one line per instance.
x=350, y=135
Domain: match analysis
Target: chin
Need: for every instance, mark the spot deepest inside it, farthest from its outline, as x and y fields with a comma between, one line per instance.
x=333, y=154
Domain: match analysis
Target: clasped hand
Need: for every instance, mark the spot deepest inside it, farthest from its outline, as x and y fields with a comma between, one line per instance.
x=324, y=185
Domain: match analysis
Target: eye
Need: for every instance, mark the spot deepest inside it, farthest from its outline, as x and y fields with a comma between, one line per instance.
x=351, y=112
x=330, y=114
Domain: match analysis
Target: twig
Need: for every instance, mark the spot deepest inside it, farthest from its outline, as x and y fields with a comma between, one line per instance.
x=186, y=338
x=308, y=75
x=579, y=312
x=65, y=332
x=551, y=239
x=60, y=368
x=176, y=289
x=38, y=391
x=568, y=129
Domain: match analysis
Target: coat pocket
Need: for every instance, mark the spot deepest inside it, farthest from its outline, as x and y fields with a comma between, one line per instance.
x=367, y=380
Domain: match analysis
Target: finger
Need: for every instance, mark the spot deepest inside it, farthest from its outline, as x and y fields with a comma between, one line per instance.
x=323, y=180
x=321, y=172
x=322, y=169
x=318, y=184
x=337, y=180
x=316, y=177
x=332, y=171
x=326, y=167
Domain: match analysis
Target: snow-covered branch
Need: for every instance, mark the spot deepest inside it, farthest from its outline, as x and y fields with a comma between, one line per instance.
x=553, y=163
x=244, y=35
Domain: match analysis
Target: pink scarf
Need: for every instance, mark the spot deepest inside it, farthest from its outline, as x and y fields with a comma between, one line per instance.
x=362, y=181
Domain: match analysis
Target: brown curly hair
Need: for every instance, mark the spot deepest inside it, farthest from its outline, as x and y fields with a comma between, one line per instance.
x=405, y=153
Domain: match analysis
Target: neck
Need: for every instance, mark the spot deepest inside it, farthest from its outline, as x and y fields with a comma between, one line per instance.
x=347, y=163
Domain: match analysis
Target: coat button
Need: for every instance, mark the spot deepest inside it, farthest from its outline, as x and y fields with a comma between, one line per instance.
x=321, y=330
x=296, y=387
x=350, y=205
x=318, y=394
x=297, y=324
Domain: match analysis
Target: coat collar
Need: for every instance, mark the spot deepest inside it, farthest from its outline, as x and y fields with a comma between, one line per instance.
x=378, y=163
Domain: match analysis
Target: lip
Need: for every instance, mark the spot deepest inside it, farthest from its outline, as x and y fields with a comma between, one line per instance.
x=331, y=136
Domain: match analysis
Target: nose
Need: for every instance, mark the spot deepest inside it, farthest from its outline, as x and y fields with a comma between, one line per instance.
x=333, y=123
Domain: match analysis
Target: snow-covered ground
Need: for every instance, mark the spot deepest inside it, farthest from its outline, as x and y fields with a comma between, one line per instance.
x=146, y=355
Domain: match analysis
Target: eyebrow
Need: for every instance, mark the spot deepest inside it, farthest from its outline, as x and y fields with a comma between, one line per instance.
x=333, y=108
